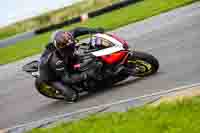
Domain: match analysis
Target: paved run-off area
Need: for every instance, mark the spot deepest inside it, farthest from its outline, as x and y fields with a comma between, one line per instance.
x=172, y=37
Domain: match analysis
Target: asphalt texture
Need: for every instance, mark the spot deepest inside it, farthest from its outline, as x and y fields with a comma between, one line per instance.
x=17, y=38
x=173, y=38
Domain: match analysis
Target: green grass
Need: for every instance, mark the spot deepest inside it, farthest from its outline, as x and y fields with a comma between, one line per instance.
x=178, y=117
x=53, y=17
x=115, y=19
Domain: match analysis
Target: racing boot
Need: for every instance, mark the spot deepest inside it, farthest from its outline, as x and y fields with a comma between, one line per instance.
x=71, y=95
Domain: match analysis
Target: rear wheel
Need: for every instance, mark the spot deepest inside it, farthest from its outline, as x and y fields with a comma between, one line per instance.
x=142, y=64
x=31, y=67
x=50, y=92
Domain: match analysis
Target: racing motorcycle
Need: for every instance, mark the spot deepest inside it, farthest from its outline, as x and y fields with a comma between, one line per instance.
x=113, y=52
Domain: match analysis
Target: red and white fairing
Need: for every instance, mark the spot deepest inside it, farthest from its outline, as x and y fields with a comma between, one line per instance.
x=112, y=54
x=118, y=45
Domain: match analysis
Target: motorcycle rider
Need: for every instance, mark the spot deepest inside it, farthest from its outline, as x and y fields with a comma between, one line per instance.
x=59, y=62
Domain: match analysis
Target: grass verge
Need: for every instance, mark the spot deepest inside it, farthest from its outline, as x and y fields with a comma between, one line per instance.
x=182, y=116
x=115, y=19
x=53, y=17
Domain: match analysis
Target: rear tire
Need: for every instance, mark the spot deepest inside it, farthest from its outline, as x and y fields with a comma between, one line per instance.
x=144, y=64
x=50, y=92
x=31, y=67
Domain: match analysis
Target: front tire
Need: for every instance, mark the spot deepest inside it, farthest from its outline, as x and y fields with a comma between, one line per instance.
x=143, y=63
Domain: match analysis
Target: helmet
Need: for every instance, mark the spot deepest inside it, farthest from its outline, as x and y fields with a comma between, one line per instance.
x=63, y=41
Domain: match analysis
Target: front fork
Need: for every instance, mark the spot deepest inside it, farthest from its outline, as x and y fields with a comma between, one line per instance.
x=130, y=71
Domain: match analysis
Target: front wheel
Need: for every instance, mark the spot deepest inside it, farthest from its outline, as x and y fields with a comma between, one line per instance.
x=142, y=64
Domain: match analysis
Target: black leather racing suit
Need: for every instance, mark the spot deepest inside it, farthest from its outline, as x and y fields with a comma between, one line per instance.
x=59, y=72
